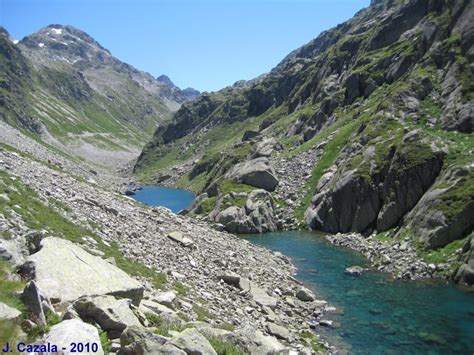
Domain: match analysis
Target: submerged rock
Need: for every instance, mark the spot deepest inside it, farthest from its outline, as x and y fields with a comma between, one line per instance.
x=354, y=271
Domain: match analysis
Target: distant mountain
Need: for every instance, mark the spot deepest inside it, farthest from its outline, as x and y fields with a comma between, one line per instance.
x=188, y=93
x=69, y=90
x=367, y=128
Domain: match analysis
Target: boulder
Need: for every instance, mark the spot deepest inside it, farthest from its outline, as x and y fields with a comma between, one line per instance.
x=253, y=341
x=305, y=295
x=73, y=331
x=32, y=298
x=258, y=216
x=137, y=340
x=179, y=238
x=262, y=298
x=111, y=314
x=193, y=342
x=164, y=298
x=278, y=331
x=256, y=172
x=354, y=271
x=9, y=313
x=231, y=279
x=65, y=271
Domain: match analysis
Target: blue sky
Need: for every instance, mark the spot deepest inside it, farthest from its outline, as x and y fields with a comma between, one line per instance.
x=205, y=44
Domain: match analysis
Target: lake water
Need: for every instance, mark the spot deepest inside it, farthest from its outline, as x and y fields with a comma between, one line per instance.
x=377, y=315
x=174, y=199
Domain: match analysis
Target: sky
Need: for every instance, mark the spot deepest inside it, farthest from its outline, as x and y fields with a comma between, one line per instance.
x=205, y=44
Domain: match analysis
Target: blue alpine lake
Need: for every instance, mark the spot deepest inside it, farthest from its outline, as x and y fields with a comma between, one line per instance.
x=174, y=199
x=375, y=313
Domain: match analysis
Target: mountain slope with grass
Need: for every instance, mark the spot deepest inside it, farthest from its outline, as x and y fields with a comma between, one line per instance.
x=64, y=88
x=365, y=129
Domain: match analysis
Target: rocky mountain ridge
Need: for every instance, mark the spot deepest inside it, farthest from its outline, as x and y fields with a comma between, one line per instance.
x=378, y=112
x=64, y=87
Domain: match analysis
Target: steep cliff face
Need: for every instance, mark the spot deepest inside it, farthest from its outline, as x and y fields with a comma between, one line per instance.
x=378, y=111
x=64, y=87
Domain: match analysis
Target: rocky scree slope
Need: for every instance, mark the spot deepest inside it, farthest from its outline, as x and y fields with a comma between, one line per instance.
x=62, y=86
x=148, y=280
x=377, y=113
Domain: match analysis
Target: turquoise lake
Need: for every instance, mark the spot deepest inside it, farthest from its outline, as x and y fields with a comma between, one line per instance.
x=376, y=314
x=174, y=199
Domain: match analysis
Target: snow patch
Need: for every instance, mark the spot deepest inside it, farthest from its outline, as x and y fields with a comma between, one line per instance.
x=15, y=41
x=57, y=31
x=41, y=44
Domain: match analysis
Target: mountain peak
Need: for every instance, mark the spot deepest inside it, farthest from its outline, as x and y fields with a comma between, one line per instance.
x=166, y=80
x=66, y=43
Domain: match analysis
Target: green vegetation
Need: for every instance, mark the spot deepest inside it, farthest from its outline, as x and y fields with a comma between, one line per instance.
x=331, y=151
x=223, y=348
x=441, y=255
x=9, y=288
x=180, y=288
x=315, y=344
x=105, y=341
x=39, y=330
x=164, y=326
x=202, y=313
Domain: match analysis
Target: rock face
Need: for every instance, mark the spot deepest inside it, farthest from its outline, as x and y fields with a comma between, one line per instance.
x=257, y=172
x=465, y=272
x=74, y=331
x=354, y=201
x=258, y=215
x=66, y=272
x=437, y=225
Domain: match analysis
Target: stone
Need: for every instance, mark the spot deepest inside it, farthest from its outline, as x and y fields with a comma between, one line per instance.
x=74, y=331
x=164, y=298
x=9, y=313
x=67, y=272
x=261, y=297
x=111, y=314
x=193, y=342
x=257, y=172
x=137, y=340
x=178, y=237
x=278, y=331
x=354, y=271
x=231, y=279
x=32, y=298
x=305, y=295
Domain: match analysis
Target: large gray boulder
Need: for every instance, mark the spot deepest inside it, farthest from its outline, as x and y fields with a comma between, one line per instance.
x=111, y=314
x=193, y=342
x=73, y=331
x=64, y=271
x=257, y=172
x=253, y=341
x=258, y=216
x=140, y=341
